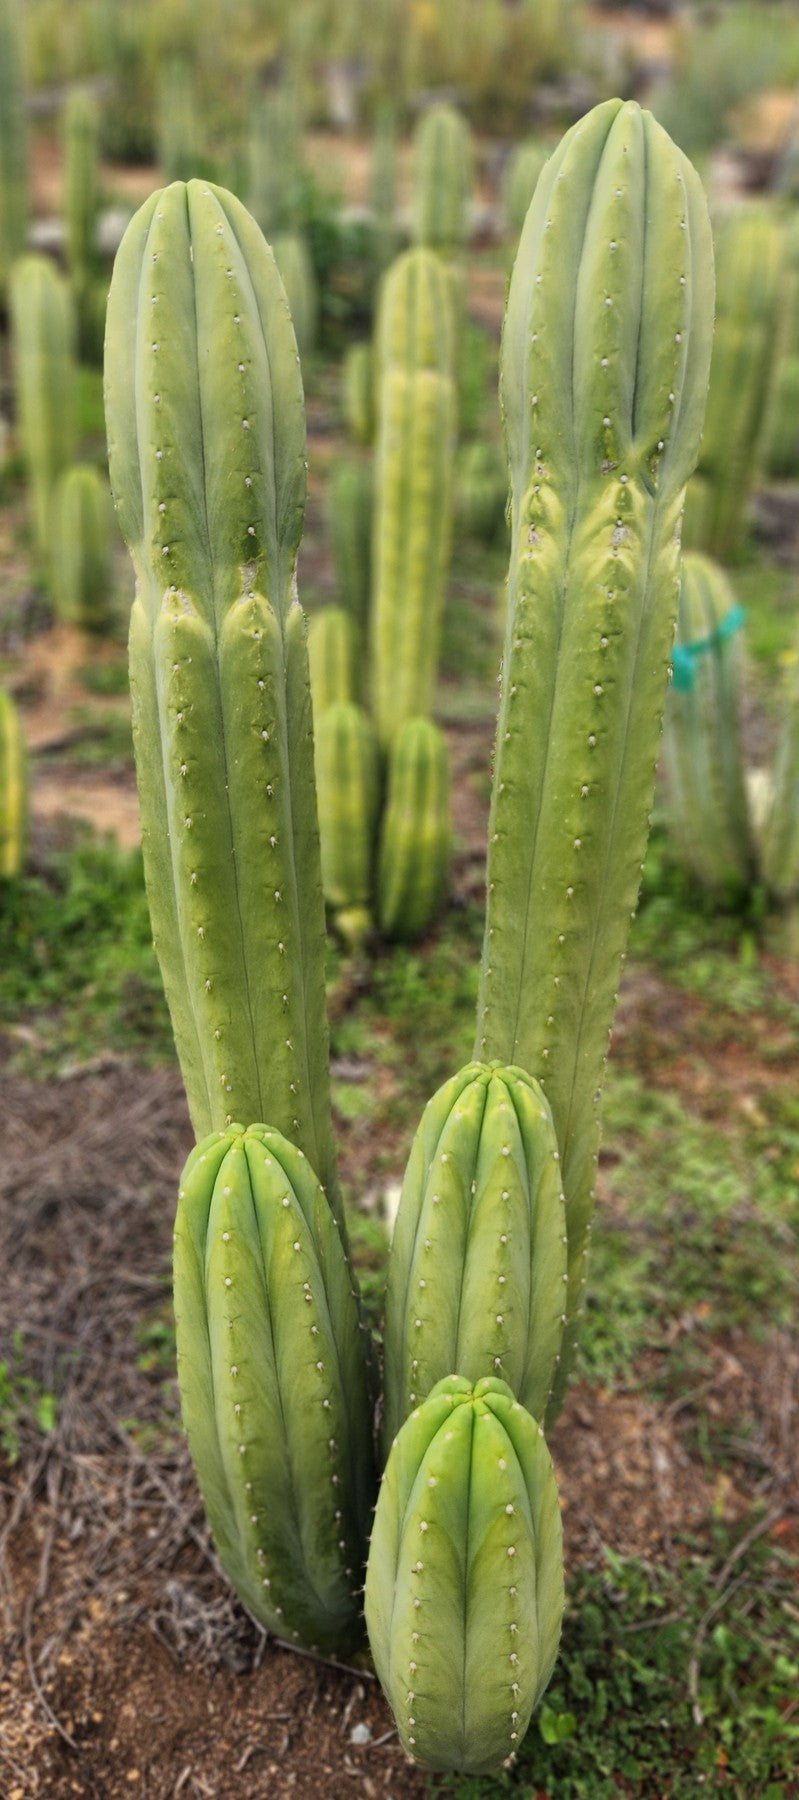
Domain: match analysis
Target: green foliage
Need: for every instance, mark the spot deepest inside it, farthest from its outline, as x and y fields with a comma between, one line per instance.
x=619, y=1715
x=22, y=1401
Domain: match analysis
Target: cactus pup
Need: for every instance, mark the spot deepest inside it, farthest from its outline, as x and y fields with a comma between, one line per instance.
x=605, y=357
x=206, y=429
x=464, y=1584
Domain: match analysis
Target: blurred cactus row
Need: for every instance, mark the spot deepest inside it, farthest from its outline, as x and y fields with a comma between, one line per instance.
x=604, y=371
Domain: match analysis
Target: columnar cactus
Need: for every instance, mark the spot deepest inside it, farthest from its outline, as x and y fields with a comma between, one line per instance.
x=332, y=659
x=293, y=259
x=749, y=314
x=350, y=508
x=358, y=392
x=779, y=832
x=80, y=548
x=273, y=1383
x=13, y=143
x=178, y=113
x=13, y=791
x=464, y=1585
x=206, y=432
x=275, y=161
x=348, y=785
x=413, y=488
x=442, y=178
x=702, y=741
x=605, y=359
x=43, y=335
x=478, y=1259
x=384, y=187
x=416, y=831
x=519, y=178
x=82, y=198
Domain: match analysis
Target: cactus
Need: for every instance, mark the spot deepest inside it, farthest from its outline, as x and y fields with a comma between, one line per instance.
x=782, y=447
x=348, y=786
x=749, y=281
x=349, y=510
x=478, y=1258
x=275, y=176
x=413, y=488
x=441, y=181
x=605, y=357
x=702, y=746
x=464, y=1584
x=80, y=551
x=43, y=334
x=178, y=112
x=13, y=143
x=81, y=141
x=207, y=460
x=13, y=791
x=779, y=833
x=481, y=488
x=273, y=1386
x=293, y=259
x=519, y=178
x=358, y=392
x=416, y=832
x=384, y=187
x=332, y=659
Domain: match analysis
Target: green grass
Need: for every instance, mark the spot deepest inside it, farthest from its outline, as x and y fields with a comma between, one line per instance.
x=23, y=1401
x=671, y=1684
x=77, y=967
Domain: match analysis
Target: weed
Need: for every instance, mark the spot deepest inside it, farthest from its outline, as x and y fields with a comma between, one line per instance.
x=22, y=1401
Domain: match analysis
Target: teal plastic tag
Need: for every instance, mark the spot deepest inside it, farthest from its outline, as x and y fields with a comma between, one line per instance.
x=685, y=655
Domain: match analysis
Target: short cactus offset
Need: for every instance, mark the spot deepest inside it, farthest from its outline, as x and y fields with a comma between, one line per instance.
x=43, y=335
x=80, y=548
x=416, y=831
x=207, y=458
x=13, y=791
x=478, y=1259
x=464, y=1585
x=413, y=488
x=702, y=743
x=348, y=785
x=332, y=659
x=605, y=359
x=273, y=1385
x=442, y=179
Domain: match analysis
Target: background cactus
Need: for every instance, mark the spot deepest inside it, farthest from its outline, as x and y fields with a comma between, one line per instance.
x=464, y=1585
x=81, y=538
x=293, y=259
x=749, y=321
x=13, y=791
x=605, y=356
x=441, y=180
x=416, y=831
x=779, y=831
x=358, y=392
x=519, y=178
x=207, y=458
x=332, y=659
x=702, y=742
x=273, y=1384
x=478, y=1256
x=43, y=334
x=13, y=143
x=349, y=514
x=347, y=768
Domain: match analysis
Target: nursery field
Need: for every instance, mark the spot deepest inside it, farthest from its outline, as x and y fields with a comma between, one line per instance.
x=391, y=161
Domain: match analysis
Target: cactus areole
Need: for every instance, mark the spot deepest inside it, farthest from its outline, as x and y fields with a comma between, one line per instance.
x=604, y=372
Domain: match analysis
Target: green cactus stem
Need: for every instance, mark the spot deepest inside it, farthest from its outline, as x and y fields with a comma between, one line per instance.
x=82, y=524
x=464, y=1585
x=206, y=431
x=702, y=742
x=413, y=489
x=605, y=359
x=332, y=659
x=416, y=832
x=273, y=1386
x=441, y=181
x=350, y=509
x=780, y=830
x=358, y=397
x=13, y=791
x=348, y=786
x=478, y=1259
x=43, y=338
x=13, y=142
x=519, y=178
x=293, y=259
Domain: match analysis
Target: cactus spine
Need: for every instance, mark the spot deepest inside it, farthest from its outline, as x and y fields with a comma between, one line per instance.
x=43, y=333
x=416, y=833
x=207, y=459
x=13, y=791
x=273, y=1386
x=478, y=1258
x=464, y=1585
x=81, y=538
x=413, y=488
x=13, y=143
x=604, y=372
x=702, y=744
x=749, y=285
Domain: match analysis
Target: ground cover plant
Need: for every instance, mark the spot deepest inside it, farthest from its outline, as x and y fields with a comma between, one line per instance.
x=676, y=1446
